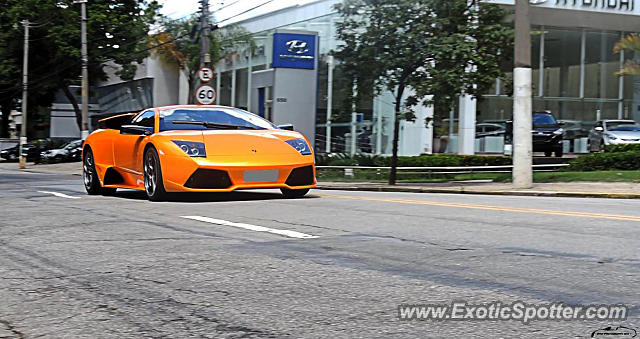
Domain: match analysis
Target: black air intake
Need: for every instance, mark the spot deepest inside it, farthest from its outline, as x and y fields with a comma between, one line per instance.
x=301, y=176
x=208, y=179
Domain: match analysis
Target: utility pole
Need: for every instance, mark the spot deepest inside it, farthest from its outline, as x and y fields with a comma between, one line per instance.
x=85, y=69
x=205, y=56
x=25, y=87
x=522, y=105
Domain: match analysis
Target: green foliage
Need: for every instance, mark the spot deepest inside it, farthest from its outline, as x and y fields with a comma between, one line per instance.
x=626, y=160
x=435, y=160
x=117, y=33
x=622, y=148
x=438, y=48
x=178, y=47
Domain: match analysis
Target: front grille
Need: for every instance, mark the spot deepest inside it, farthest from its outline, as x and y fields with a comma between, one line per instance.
x=208, y=179
x=301, y=176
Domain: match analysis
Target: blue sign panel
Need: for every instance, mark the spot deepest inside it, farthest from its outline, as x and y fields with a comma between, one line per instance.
x=294, y=50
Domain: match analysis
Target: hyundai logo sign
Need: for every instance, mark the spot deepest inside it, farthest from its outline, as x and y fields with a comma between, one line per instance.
x=293, y=50
x=537, y=2
x=297, y=47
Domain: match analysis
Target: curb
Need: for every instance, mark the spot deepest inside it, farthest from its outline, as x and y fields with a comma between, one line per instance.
x=461, y=190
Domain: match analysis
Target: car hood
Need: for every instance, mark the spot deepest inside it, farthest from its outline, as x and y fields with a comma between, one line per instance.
x=547, y=129
x=248, y=142
x=625, y=134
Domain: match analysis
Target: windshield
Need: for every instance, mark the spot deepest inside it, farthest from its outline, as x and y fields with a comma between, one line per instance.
x=631, y=128
x=210, y=118
x=543, y=119
x=617, y=125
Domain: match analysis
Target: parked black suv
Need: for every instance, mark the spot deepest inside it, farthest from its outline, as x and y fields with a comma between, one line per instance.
x=547, y=134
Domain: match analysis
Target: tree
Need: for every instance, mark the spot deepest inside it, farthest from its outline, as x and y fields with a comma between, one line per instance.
x=117, y=34
x=179, y=45
x=438, y=49
x=630, y=43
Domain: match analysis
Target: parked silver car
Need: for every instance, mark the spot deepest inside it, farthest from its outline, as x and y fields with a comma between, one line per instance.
x=613, y=132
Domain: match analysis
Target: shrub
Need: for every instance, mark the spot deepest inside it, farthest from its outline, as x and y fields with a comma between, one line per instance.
x=622, y=148
x=426, y=160
x=629, y=160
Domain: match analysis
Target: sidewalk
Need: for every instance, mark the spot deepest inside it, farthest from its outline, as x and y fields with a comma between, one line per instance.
x=72, y=168
x=613, y=190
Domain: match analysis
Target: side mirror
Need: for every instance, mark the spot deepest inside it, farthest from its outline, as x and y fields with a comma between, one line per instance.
x=599, y=129
x=288, y=127
x=561, y=123
x=136, y=130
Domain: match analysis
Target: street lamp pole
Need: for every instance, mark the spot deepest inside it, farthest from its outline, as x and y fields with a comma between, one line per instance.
x=522, y=101
x=85, y=69
x=25, y=87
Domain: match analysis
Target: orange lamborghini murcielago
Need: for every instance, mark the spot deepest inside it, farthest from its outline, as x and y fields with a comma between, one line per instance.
x=196, y=149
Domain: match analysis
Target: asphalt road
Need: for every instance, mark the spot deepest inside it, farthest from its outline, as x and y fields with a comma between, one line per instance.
x=333, y=265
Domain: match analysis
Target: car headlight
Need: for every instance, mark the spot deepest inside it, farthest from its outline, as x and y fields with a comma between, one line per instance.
x=611, y=137
x=191, y=148
x=558, y=131
x=300, y=145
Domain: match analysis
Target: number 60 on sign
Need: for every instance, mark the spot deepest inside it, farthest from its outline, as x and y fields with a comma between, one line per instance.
x=205, y=95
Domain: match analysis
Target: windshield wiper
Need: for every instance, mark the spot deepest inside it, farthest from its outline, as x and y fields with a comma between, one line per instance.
x=208, y=124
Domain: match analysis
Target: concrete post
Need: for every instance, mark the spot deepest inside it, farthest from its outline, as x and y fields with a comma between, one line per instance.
x=25, y=91
x=467, y=125
x=522, y=101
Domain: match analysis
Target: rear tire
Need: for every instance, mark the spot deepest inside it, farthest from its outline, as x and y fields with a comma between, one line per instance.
x=90, y=176
x=153, y=184
x=293, y=194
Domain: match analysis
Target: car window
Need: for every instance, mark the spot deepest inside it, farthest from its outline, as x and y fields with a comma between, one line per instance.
x=146, y=119
x=221, y=116
x=614, y=125
x=625, y=127
x=543, y=119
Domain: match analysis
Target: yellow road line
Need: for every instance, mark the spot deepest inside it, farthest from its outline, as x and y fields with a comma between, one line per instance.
x=489, y=207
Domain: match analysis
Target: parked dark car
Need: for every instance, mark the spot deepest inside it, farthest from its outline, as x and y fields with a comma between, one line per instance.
x=69, y=152
x=547, y=134
x=13, y=154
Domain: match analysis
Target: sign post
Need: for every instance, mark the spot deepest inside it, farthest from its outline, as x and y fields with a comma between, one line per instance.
x=205, y=74
x=205, y=95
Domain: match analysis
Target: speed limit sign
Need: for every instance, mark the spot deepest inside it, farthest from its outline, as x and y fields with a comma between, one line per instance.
x=205, y=95
x=205, y=74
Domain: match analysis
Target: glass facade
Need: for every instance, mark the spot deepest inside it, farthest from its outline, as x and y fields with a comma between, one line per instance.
x=574, y=77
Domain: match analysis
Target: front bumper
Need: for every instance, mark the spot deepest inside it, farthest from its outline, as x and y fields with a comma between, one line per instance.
x=181, y=174
x=543, y=142
x=619, y=141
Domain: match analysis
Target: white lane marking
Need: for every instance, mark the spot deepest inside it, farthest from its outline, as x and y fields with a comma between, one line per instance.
x=61, y=195
x=286, y=233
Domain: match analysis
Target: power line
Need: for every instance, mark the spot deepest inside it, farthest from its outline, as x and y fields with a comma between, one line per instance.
x=244, y=12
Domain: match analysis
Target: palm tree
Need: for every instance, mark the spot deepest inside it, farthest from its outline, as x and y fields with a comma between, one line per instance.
x=629, y=43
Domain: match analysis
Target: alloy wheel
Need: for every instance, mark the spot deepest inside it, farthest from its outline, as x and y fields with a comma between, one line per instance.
x=87, y=170
x=150, y=177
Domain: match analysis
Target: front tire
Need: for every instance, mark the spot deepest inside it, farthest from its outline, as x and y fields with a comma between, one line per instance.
x=153, y=184
x=558, y=153
x=90, y=176
x=293, y=194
